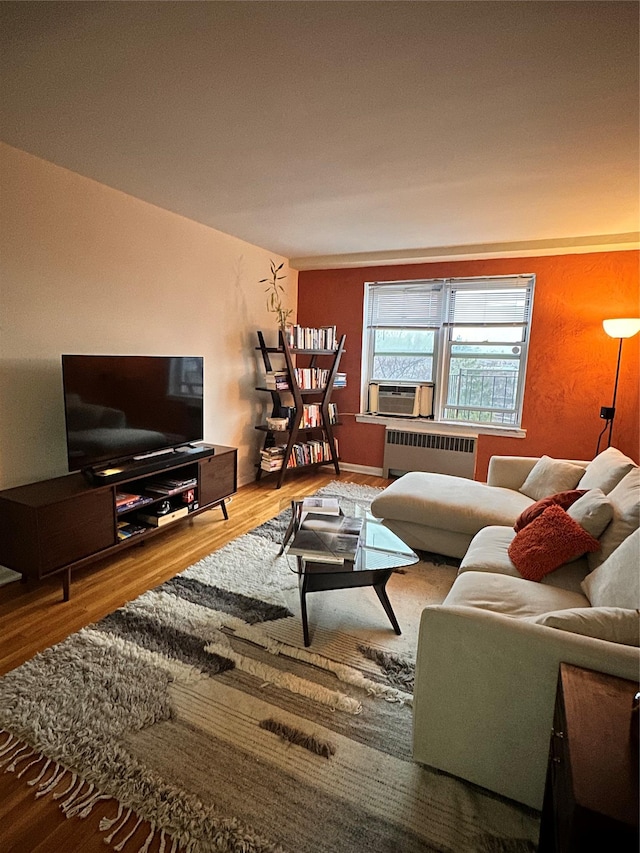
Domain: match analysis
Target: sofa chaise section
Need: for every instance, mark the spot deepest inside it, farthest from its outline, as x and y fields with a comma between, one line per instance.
x=441, y=513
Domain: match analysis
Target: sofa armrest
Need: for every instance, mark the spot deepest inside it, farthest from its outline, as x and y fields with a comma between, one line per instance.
x=485, y=692
x=510, y=472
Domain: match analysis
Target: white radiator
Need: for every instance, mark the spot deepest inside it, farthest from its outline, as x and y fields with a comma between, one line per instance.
x=421, y=451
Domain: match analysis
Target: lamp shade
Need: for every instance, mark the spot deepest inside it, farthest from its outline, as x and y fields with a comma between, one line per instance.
x=623, y=327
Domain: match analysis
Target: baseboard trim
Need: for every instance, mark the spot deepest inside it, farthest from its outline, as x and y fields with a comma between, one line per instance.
x=361, y=469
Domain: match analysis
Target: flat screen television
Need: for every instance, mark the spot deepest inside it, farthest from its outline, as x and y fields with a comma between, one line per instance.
x=119, y=407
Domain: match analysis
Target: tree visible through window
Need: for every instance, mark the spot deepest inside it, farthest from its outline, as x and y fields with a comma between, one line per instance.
x=468, y=336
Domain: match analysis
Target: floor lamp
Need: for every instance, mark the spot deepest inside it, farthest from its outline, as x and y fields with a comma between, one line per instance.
x=625, y=327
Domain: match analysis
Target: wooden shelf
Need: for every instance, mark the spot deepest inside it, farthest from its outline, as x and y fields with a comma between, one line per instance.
x=323, y=395
x=58, y=525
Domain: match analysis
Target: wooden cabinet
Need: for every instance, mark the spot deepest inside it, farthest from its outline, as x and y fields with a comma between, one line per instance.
x=301, y=445
x=56, y=525
x=591, y=794
x=217, y=478
x=45, y=526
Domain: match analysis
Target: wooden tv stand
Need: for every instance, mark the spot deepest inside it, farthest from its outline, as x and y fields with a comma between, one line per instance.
x=55, y=526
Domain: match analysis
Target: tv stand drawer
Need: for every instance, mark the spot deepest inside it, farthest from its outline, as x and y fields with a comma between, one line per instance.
x=217, y=477
x=47, y=525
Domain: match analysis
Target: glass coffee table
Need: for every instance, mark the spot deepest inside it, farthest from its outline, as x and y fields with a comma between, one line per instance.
x=343, y=552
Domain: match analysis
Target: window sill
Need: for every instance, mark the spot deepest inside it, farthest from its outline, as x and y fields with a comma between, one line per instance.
x=441, y=427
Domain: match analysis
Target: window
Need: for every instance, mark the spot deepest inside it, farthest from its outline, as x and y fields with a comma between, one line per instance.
x=467, y=336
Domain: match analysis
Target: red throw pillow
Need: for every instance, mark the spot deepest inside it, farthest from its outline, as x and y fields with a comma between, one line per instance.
x=552, y=539
x=561, y=499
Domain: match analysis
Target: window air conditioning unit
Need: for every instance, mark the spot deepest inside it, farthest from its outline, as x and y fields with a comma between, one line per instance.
x=407, y=401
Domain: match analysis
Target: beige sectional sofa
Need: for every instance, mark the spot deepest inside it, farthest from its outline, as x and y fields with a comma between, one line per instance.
x=488, y=657
x=442, y=514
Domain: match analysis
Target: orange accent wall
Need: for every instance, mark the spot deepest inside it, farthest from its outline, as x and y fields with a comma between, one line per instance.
x=571, y=366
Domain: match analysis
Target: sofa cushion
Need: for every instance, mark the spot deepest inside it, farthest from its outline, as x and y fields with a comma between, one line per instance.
x=515, y=597
x=550, y=476
x=625, y=503
x=562, y=499
x=450, y=503
x=593, y=511
x=488, y=552
x=551, y=539
x=606, y=470
x=614, y=624
x=616, y=583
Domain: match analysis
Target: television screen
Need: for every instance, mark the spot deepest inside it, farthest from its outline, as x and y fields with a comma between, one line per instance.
x=123, y=406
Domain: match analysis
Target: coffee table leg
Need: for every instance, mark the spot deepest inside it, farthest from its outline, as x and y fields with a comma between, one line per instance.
x=302, y=583
x=384, y=600
x=290, y=528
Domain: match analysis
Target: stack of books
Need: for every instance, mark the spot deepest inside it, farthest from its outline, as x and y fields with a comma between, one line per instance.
x=272, y=458
x=277, y=380
x=126, y=501
x=170, y=486
x=340, y=380
x=327, y=538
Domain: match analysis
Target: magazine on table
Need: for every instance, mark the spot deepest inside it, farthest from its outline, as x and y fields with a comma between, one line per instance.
x=323, y=506
x=327, y=538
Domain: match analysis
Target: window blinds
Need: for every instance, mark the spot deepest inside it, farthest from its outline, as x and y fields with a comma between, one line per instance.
x=406, y=305
x=505, y=301
x=433, y=303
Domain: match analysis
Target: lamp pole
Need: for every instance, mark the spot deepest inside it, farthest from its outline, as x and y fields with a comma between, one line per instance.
x=615, y=394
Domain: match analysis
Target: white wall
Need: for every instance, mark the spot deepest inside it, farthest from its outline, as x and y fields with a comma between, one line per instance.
x=88, y=269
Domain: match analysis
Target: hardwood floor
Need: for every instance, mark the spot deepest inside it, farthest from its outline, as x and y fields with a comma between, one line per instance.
x=32, y=619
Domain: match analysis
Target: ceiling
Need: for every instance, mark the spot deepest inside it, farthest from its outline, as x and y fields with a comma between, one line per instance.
x=332, y=132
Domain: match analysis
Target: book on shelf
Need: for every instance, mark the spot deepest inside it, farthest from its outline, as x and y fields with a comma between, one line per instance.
x=311, y=378
x=272, y=458
x=274, y=451
x=288, y=412
x=160, y=520
x=340, y=380
x=311, y=416
x=327, y=538
x=170, y=486
x=310, y=453
x=277, y=380
x=303, y=337
x=127, y=529
x=126, y=501
x=306, y=453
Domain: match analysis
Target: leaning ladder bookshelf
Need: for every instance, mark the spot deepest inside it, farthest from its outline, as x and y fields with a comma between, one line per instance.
x=307, y=446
